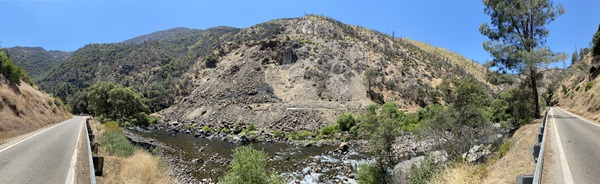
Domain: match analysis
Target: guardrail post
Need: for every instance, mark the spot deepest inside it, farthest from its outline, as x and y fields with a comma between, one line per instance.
x=98, y=165
x=539, y=138
x=526, y=179
x=535, y=152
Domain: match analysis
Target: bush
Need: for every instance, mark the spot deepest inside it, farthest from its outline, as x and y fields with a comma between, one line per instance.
x=369, y=173
x=589, y=86
x=503, y=148
x=251, y=127
x=115, y=143
x=303, y=134
x=276, y=133
x=328, y=130
x=206, y=128
x=424, y=173
x=58, y=102
x=346, y=121
x=249, y=166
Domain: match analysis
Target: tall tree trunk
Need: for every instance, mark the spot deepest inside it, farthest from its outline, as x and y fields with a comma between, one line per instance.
x=536, y=113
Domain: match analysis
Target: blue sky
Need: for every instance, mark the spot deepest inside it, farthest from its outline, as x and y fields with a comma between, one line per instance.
x=70, y=24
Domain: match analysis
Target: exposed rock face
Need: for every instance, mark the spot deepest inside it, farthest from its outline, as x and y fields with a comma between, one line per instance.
x=302, y=73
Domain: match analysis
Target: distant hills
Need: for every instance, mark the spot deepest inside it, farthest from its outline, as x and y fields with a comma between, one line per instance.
x=36, y=61
x=313, y=63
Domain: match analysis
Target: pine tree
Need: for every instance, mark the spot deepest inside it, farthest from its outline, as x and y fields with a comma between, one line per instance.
x=517, y=35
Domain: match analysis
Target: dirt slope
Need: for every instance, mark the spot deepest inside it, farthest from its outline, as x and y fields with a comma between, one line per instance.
x=24, y=109
x=577, y=93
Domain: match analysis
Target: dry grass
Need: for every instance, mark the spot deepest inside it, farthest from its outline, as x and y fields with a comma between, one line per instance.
x=497, y=170
x=461, y=173
x=577, y=99
x=140, y=168
x=24, y=109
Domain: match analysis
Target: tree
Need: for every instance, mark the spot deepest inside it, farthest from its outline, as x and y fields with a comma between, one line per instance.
x=249, y=166
x=98, y=98
x=517, y=34
x=596, y=46
x=574, y=57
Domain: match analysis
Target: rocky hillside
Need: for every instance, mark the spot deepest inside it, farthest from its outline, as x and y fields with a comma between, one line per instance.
x=36, y=61
x=301, y=73
x=152, y=63
x=577, y=91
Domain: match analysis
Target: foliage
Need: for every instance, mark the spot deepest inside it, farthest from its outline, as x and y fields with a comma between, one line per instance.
x=596, y=46
x=496, y=78
x=36, y=61
x=381, y=130
x=249, y=166
x=328, y=130
x=588, y=86
x=456, y=127
x=369, y=173
x=424, y=173
x=206, y=128
x=153, y=67
x=504, y=148
x=251, y=127
x=303, y=134
x=517, y=36
x=574, y=57
x=115, y=102
x=12, y=72
x=114, y=143
x=346, y=121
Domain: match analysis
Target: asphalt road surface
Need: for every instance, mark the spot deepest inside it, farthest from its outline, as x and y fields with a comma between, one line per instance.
x=579, y=147
x=44, y=157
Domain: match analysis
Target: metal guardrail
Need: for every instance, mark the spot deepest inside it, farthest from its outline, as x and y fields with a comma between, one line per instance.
x=537, y=155
x=537, y=176
x=87, y=136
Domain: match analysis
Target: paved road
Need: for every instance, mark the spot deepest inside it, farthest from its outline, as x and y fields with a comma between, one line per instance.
x=579, y=147
x=45, y=157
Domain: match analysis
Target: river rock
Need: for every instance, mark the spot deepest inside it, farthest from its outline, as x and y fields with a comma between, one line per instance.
x=241, y=140
x=402, y=169
x=343, y=147
x=477, y=153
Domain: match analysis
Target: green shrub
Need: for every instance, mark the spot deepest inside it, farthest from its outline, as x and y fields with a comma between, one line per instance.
x=152, y=119
x=249, y=166
x=276, y=133
x=328, y=130
x=424, y=173
x=224, y=130
x=503, y=148
x=346, y=121
x=50, y=101
x=58, y=102
x=206, y=128
x=564, y=89
x=115, y=143
x=589, y=86
x=251, y=127
x=369, y=173
x=303, y=134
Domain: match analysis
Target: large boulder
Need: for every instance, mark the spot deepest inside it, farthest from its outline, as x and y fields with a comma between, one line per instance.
x=402, y=170
x=240, y=140
x=477, y=153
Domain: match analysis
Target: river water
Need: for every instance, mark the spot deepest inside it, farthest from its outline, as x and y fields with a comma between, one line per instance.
x=209, y=158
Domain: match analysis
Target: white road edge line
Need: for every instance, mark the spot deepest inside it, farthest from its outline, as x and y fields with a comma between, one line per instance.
x=579, y=117
x=567, y=177
x=22, y=140
x=71, y=175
